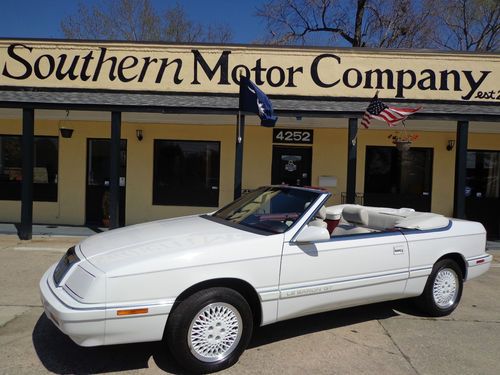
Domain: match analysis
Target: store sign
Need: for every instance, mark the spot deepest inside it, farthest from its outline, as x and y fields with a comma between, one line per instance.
x=297, y=136
x=351, y=73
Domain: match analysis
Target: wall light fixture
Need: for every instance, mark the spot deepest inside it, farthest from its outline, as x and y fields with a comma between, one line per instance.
x=138, y=134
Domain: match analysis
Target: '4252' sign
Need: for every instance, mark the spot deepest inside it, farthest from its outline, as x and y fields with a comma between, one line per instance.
x=301, y=136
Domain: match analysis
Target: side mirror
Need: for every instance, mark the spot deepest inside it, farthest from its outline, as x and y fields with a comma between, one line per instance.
x=312, y=234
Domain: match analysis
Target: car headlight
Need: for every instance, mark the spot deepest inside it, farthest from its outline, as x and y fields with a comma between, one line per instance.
x=65, y=264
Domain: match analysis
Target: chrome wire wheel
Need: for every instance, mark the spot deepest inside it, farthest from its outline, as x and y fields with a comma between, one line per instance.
x=215, y=332
x=445, y=288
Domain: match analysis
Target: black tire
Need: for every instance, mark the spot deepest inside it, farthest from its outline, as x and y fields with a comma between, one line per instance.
x=450, y=282
x=187, y=347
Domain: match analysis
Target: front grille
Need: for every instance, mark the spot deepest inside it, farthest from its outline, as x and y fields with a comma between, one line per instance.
x=65, y=264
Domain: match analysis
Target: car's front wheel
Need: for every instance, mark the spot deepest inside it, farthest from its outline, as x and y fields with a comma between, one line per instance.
x=209, y=330
x=443, y=289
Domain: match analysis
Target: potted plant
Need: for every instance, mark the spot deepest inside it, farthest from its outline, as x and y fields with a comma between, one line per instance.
x=403, y=141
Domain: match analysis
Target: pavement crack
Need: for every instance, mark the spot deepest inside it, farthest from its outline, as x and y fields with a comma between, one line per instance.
x=368, y=346
x=407, y=358
x=22, y=337
x=451, y=320
x=3, y=305
x=7, y=247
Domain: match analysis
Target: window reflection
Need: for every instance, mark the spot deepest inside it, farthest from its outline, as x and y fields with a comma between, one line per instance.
x=186, y=173
x=483, y=174
x=45, y=168
x=482, y=190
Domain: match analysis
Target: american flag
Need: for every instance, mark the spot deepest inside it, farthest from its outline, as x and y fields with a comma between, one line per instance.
x=392, y=115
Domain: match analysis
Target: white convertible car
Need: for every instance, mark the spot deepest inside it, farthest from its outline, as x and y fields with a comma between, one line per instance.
x=202, y=283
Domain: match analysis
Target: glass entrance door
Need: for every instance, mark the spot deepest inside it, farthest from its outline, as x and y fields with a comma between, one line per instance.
x=398, y=179
x=98, y=175
x=482, y=192
x=291, y=166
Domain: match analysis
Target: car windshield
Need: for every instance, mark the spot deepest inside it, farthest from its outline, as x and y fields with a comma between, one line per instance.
x=272, y=209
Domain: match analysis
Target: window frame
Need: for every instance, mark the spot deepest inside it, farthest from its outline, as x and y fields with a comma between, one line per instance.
x=475, y=150
x=36, y=195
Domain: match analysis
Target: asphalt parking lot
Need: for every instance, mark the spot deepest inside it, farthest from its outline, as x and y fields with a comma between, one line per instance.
x=388, y=338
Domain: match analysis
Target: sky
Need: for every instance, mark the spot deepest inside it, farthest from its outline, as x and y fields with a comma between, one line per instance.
x=42, y=18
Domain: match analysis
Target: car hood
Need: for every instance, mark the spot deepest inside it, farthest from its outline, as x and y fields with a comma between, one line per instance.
x=146, y=246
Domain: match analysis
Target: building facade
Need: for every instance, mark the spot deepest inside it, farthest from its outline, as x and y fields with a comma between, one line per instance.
x=154, y=129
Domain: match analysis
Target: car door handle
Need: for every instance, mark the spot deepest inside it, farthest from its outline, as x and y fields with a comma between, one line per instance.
x=398, y=250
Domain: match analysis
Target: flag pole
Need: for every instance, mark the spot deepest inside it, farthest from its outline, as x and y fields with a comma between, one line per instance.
x=405, y=133
x=238, y=128
x=352, y=133
x=238, y=160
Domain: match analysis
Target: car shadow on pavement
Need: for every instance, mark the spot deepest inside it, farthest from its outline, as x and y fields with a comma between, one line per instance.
x=328, y=320
x=60, y=355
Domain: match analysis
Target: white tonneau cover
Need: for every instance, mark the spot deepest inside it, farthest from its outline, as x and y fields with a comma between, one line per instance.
x=383, y=218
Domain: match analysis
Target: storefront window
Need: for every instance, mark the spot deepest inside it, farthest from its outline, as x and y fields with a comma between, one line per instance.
x=483, y=174
x=398, y=179
x=482, y=190
x=45, y=169
x=186, y=173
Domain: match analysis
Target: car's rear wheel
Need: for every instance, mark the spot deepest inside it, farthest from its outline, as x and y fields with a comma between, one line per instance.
x=209, y=330
x=443, y=289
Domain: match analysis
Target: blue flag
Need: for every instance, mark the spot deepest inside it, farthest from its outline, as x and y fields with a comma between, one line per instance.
x=252, y=99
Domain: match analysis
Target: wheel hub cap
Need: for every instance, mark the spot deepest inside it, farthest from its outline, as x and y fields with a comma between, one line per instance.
x=445, y=288
x=215, y=332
